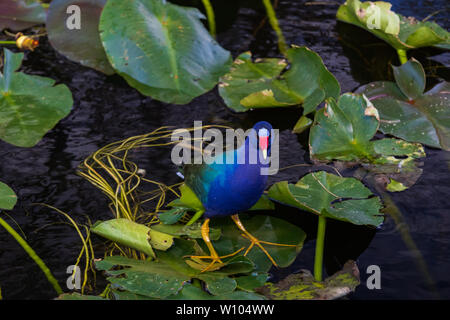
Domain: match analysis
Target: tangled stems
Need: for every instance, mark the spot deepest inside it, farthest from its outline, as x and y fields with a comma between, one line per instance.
x=32, y=255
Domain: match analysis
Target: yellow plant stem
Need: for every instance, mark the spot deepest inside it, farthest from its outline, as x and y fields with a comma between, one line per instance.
x=275, y=25
x=403, y=57
x=33, y=256
x=210, y=15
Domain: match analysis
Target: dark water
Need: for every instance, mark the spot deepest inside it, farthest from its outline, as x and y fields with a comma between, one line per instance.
x=106, y=109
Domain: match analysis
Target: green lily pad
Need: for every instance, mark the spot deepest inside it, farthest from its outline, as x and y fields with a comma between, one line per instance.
x=166, y=276
x=80, y=45
x=264, y=83
x=29, y=105
x=133, y=235
x=409, y=113
x=322, y=193
x=302, y=124
x=20, y=14
x=77, y=296
x=303, y=286
x=162, y=49
x=250, y=282
x=8, y=198
x=395, y=186
x=190, y=292
x=264, y=228
x=399, y=31
x=344, y=130
x=172, y=216
x=263, y=203
x=147, y=278
x=192, y=231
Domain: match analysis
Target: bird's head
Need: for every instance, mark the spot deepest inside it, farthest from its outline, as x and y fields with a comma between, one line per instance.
x=263, y=131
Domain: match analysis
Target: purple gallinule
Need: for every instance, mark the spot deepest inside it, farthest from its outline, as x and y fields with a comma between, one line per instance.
x=225, y=189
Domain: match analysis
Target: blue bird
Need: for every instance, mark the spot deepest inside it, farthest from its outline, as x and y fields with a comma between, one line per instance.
x=225, y=188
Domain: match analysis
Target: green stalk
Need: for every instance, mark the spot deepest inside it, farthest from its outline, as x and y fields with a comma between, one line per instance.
x=211, y=19
x=402, y=56
x=275, y=26
x=7, y=42
x=318, y=259
x=32, y=255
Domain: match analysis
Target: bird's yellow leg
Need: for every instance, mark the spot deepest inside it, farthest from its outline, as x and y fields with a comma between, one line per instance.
x=214, y=257
x=254, y=241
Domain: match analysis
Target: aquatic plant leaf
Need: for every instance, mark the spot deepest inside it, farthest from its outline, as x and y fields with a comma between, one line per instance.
x=190, y=292
x=133, y=235
x=81, y=45
x=20, y=14
x=395, y=186
x=188, y=199
x=169, y=273
x=126, y=295
x=162, y=49
x=8, y=198
x=408, y=113
x=302, y=124
x=250, y=282
x=147, y=278
x=343, y=131
x=77, y=296
x=192, y=231
x=400, y=32
x=263, y=203
x=264, y=228
x=29, y=105
x=322, y=193
x=172, y=216
x=303, y=286
x=264, y=83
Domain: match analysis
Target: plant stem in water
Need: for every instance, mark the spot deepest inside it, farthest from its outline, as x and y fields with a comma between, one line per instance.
x=32, y=255
x=402, y=56
x=276, y=27
x=211, y=19
x=318, y=259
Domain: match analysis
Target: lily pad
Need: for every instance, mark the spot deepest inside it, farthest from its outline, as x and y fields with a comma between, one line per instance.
x=166, y=276
x=148, y=278
x=172, y=216
x=80, y=45
x=395, y=186
x=264, y=228
x=302, y=286
x=190, y=292
x=162, y=49
x=29, y=105
x=192, y=231
x=409, y=113
x=20, y=14
x=344, y=130
x=322, y=193
x=399, y=31
x=8, y=198
x=77, y=296
x=265, y=83
x=133, y=235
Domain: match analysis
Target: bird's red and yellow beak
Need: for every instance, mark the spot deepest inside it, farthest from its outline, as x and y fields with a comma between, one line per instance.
x=264, y=145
